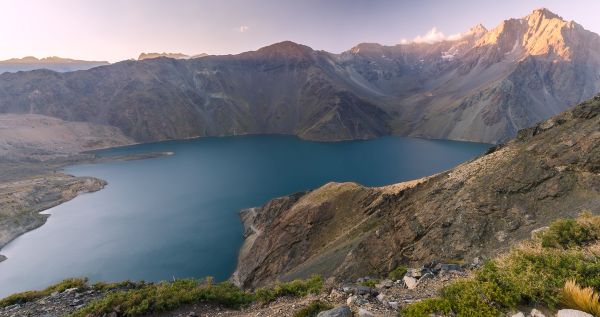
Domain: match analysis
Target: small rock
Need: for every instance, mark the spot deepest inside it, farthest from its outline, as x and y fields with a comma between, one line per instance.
x=365, y=313
x=365, y=290
x=519, y=314
x=351, y=300
x=192, y=314
x=415, y=273
x=381, y=297
x=342, y=311
x=536, y=313
x=410, y=282
x=393, y=305
x=11, y=307
x=448, y=267
x=77, y=302
x=70, y=290
x=335, y=295
x=348, y=289
x=361, y=301
x=572, y=313
x=54, y=294
x=425, y=277
x=385, y=284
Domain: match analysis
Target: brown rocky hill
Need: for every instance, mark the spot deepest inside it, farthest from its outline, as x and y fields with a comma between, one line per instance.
x=549, y=171
x=482, y=86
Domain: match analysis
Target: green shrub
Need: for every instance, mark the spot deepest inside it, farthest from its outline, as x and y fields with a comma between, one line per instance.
x=103, y=286
x=161, y=297
x=532, y=274
x=370, y=282
x=398, y=273
x=313, y=309
x=313, y=285
x=569, y=233
x=476, y=298
x=21, y=298
x=427, y=307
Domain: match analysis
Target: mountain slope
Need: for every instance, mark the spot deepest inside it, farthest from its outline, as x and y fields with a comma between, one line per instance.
x=486, y=85
x=54, y=63
x=549, y=171
x=282, y=88
x=482, y=86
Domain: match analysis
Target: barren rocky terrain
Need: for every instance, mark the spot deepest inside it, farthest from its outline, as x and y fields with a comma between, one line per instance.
x=469, y=213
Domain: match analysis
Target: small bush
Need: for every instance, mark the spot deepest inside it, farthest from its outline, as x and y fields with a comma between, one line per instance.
x=584, y=299
x=569, y=233
x=21, y=298
x=427, y=307
x=161, y=297
x=398, y=273
x=313, y=309
x=369, y=282
x=312, y=285
x=103, y=286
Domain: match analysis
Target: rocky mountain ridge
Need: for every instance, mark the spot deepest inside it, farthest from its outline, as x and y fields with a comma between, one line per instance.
x=482, y=86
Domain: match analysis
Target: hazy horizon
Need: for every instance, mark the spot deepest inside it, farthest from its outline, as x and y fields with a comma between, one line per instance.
x=115, y=30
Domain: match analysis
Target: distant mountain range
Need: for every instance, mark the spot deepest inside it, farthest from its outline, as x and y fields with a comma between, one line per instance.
x=54, y=63
x=482, y=86
x=144, y=56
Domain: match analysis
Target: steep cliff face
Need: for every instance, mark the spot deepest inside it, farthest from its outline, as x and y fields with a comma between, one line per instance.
x=549, y=171
x=481, y=86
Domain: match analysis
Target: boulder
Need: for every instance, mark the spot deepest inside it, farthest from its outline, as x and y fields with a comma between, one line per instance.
x=572, y=313
x=426, y=276
x=342, y=311
x=365, y=313
x=351, y=300
x=410, y=282
x=536, y=313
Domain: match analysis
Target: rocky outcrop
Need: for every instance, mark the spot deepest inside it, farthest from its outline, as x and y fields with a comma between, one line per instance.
x=482, y=86
x=550, y=171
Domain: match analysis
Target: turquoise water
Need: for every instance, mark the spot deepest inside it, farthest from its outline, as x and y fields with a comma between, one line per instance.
x=177, y=216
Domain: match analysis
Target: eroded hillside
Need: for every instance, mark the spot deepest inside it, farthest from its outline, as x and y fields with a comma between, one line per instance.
x=473, y=211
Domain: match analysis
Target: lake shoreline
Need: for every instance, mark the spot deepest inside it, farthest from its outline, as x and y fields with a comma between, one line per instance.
x=20, y=197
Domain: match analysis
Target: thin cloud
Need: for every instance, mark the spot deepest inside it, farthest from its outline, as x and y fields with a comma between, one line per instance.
x=243, y=28
x=434, y=36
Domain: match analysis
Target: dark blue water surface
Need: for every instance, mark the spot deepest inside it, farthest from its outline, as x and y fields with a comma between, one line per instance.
x=177, y=216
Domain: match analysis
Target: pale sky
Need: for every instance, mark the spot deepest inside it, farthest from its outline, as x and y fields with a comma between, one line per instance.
x=115, y=30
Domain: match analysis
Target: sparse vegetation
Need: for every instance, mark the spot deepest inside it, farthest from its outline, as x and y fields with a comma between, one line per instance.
x=165, y=296
x=370, y=282
x=21, y=298
x=398, y=273
x=580, y=298
x=533, y=274
x=312, y=285
x=103, y=286
x=569, y=233
x=313, y=309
